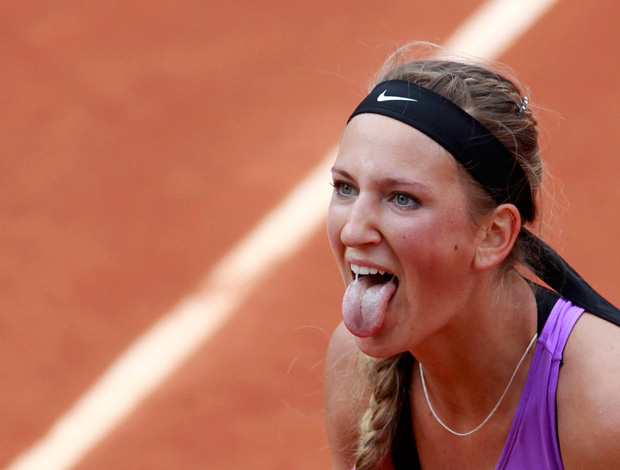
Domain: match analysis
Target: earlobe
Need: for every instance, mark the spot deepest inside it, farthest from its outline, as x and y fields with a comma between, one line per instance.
x=499, y=234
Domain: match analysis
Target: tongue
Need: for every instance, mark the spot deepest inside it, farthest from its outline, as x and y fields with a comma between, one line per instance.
x=364, y=305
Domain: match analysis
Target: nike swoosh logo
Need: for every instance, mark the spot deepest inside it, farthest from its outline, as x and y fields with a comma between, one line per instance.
x=382, y=97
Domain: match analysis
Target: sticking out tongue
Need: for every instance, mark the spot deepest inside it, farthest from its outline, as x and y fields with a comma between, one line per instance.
x=364, y=305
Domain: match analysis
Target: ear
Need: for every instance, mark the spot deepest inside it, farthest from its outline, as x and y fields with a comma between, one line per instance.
x=499, y=233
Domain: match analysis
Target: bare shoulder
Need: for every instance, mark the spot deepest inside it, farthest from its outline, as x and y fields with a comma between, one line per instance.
x=345, y=396
x=588, y=397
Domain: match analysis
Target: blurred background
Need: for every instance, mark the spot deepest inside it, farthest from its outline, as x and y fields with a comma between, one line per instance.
x=141, y=141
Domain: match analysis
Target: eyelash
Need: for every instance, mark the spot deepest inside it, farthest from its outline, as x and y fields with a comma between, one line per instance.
x=415, y=203
x=338, y=185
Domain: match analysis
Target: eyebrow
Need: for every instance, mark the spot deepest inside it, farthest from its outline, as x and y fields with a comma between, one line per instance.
x=344, y=173
x=401, y=182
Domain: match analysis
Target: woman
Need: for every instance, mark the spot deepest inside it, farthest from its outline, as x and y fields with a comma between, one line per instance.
x=448, y=356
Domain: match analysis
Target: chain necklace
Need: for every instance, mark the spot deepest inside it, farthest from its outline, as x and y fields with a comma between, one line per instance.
x=492, y=411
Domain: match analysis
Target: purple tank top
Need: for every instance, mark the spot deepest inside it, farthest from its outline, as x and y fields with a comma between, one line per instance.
x=533, y=439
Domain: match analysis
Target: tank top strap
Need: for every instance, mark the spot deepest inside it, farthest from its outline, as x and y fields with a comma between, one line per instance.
x=533, y=440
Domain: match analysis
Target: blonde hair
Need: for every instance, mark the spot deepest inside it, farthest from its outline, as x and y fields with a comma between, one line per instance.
x=497, y=103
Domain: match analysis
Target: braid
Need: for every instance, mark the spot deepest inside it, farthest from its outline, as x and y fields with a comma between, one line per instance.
x=379, y=422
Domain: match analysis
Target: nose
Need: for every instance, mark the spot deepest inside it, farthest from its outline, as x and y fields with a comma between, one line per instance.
x=361, y=224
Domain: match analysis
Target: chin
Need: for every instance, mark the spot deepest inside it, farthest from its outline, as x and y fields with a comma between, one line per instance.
x=377, y=347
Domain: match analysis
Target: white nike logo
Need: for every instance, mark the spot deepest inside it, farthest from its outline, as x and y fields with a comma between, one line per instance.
x=382, y=97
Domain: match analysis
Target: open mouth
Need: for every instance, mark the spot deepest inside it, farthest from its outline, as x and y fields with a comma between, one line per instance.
x=367, y=299
x=372, y=275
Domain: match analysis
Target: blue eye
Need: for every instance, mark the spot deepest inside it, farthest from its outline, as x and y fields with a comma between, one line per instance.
x=405, y=201
x=343, y=189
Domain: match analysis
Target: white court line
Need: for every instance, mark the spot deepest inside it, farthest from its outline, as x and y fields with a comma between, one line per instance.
x=164, y=347
x=491, y=30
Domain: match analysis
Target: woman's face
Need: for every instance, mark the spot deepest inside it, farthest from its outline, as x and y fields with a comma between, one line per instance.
x=399, y=206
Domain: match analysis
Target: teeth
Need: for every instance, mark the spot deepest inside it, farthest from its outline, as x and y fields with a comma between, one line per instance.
x=364, y=270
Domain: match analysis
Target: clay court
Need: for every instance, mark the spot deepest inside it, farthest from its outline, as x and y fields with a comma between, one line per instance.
x=143, y=142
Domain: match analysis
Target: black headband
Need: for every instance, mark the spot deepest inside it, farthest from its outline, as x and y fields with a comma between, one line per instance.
x=493, y=166
x=477, y=149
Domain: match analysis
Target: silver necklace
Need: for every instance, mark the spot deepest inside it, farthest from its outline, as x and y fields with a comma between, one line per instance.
x=492, y=411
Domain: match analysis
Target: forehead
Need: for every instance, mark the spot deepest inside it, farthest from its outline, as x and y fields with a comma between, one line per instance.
x=378, y=145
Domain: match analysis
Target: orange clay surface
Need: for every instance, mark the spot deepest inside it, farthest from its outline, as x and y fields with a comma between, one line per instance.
x=139, y=141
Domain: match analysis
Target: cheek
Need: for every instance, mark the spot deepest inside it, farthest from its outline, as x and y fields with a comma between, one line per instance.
x=421, y=249
x=335, y=222
x=439, y=246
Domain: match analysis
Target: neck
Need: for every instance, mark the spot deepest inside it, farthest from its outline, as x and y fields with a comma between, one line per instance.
x=468, y=364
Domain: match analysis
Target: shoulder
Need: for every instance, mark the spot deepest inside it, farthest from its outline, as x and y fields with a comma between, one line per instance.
x=345, y=396
x=588, y=396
